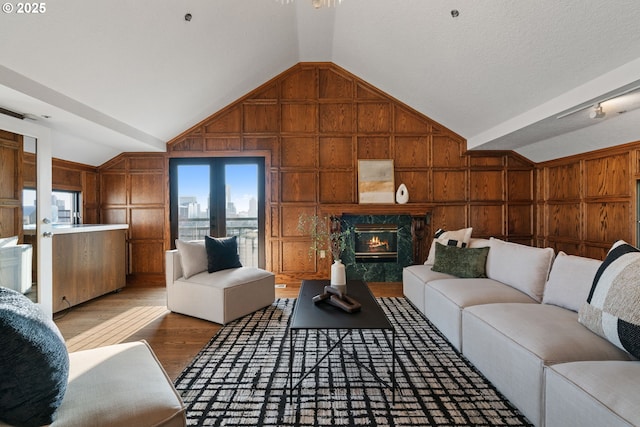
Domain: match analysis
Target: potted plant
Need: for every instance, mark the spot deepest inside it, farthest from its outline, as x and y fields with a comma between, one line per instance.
x=327, y=234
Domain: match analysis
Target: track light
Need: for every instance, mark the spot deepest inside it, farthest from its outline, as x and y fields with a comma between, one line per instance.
x=597, y=112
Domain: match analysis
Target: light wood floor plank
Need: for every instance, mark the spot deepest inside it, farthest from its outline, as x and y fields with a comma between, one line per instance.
x=139, y=312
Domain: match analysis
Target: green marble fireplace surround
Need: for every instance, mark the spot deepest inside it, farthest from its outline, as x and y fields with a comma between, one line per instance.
x=372, y=270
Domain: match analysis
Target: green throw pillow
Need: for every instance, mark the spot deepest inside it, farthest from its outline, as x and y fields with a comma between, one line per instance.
x=461, y=262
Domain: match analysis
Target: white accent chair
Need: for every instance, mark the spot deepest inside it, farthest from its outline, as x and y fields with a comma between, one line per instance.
x=119, y=385
x=219, y=297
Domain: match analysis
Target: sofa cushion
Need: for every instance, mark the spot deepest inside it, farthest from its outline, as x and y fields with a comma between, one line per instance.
x=120, y=385
x=193, y=257
x=511, y=343
x=466, y=293
x=444, y=301
x=222, y=253
x=34, y=363
x=459, y=238
x=414, y=278
x=570, y=280
x=425, y=274
x=460, y=262
x=525, y=268
x=600, y=393
x=552, y=333
x=612, y=309
x=228, y=277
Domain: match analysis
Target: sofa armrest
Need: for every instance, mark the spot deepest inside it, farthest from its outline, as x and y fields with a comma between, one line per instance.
x=173, y=268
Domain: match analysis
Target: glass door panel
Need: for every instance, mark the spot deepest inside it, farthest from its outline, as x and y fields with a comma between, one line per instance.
x=221, y=196
x=241, y=209
x=193, y=185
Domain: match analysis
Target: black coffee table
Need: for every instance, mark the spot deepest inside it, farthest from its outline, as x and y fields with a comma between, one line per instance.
x=323, y=317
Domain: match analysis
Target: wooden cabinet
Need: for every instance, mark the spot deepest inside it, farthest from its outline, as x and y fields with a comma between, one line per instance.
x=87, y=265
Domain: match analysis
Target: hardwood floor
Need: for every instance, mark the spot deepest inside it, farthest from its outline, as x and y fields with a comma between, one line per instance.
x=139, y=312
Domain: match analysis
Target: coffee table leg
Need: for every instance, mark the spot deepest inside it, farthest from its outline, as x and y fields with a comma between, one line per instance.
x=290, y=366
x=393, y=366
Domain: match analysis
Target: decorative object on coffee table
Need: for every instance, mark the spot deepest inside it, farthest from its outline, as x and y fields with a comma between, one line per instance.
x=338, y=276
x=338, y=299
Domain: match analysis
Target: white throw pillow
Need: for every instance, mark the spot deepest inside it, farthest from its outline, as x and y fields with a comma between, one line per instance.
x=459, y=238
x=570, y=281
x=8, y=241
x=525, y=268
x=193, y=257
x=479, y=243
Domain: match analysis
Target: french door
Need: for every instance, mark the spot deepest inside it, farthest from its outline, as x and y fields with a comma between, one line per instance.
x=220, y=196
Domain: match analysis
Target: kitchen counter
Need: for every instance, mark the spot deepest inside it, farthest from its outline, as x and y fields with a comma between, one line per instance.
x=30, y=230
x=89, y=260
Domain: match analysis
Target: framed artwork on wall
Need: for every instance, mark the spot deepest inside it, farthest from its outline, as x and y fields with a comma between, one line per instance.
x=375, y=181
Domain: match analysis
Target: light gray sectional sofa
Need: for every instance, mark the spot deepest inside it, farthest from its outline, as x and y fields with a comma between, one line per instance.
x=519, y=326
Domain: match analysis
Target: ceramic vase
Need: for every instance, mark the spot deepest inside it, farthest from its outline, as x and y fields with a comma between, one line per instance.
x=338, y=276
x=402, y=195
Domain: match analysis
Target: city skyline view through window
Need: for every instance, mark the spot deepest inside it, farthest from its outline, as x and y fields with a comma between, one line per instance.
x=64, y=207
x=237, y=194
x=241, y=196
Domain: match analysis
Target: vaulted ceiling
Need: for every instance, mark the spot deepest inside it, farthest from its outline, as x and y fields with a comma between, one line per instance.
x=119, y=75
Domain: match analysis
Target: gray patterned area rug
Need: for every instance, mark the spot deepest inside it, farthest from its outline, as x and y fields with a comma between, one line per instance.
x=240, y=377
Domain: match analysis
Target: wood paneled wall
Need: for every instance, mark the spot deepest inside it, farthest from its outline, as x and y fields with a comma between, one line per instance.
x=134, y=189
x=587, y=202
x=314, y=121
x=11, y=177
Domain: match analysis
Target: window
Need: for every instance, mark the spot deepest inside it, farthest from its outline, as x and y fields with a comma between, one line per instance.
x=221, y=196
x=65, y=207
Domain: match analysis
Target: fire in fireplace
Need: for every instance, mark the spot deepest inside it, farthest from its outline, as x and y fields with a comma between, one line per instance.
x=376, y=242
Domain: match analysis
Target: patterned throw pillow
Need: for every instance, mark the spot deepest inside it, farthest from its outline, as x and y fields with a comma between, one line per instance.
x=612, y=309
x=461, y=262
x=459, y=238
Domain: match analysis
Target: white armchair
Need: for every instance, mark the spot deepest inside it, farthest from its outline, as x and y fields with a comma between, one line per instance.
x=15, y=265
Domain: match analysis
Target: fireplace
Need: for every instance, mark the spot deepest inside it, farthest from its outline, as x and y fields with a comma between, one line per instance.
x=403, y=232
x=376, y=242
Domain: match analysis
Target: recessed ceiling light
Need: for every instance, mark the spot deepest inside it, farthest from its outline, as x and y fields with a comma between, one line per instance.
x=45, y=116
x=455, y=13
